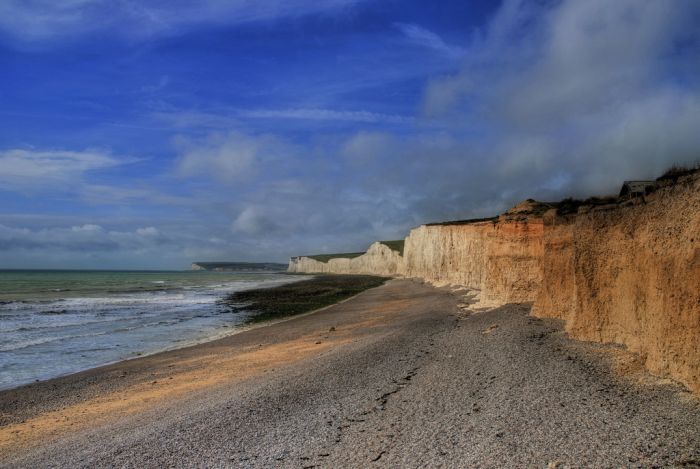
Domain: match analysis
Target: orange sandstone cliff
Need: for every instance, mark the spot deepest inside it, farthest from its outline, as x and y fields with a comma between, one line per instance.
x=501, y=258
x=630, y=275
x=626, y=273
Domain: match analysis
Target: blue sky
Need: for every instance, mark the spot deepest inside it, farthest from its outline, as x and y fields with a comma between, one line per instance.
x=151, y=134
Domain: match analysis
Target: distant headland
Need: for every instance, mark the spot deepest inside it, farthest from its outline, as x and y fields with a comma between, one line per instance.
x=239, y=266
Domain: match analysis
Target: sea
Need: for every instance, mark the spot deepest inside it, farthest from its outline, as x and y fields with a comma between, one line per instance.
x=53, y=322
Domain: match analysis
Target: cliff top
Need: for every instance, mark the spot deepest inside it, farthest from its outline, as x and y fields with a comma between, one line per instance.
x=524, y=209
x=396, y=245
x=239, y=266
x=527, y=208
x=571, y=206
x=463, y=222
x=327, y=257
x=536, y=209
x=676, y=172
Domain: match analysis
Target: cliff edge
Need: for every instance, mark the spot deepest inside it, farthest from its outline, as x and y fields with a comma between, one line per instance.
x=381, y=258
x=618, y=270
x=630, y=274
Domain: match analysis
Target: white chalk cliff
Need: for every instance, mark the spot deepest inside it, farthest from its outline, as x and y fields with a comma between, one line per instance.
x=626, y=273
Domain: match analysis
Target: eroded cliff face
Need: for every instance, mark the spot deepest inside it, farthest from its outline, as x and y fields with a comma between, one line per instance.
x=557, y=290
x=502, y=258
x=514, y=262
x=626, y=274
x=631, y=275
x=447, y=254
x=378, y=260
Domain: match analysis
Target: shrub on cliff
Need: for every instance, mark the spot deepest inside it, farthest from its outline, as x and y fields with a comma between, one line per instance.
x=676, y=171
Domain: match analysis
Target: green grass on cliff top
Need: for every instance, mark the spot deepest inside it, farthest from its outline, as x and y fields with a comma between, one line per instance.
x=327, y=257
x=463, y=222
x=396, y=245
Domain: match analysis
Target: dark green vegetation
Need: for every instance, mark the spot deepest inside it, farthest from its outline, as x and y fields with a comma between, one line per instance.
x=570, y=205
x=536, y=208
x=396, y=245
x=240, y=266
x=300, y=297
x=327, y=257
x=669, y=177
x=463, y=222
x=677, y=171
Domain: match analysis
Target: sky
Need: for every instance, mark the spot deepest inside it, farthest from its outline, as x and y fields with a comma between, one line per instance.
x=151, y=134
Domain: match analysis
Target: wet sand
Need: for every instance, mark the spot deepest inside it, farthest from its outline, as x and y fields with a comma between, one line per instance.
x=397, y=376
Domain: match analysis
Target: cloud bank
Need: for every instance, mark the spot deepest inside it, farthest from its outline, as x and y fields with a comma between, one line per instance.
x=590, y=92
x=566, y=99
x=549, y=100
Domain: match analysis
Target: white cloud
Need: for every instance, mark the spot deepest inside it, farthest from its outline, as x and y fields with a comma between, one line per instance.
x=37, y=170
x=148, y=231
x=87, y=228
x=42, y=21
x=426, y=38
x=85, y=238
x=325, y=114
x=597, y=53
x=252, y=221
x=365, y=147
x=569, y=98
x=231, y=157
x=233, y=118
x=588, y=92
x=536, y=63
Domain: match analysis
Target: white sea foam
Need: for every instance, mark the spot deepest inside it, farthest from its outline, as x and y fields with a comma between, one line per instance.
x=45, y=337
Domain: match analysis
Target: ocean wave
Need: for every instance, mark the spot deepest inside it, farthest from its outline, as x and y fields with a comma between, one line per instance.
x=47, y=340
x=63, y=325
x=29, y=302
x=87, y=324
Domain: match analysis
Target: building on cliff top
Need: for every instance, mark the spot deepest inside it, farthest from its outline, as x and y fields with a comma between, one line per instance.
x=632, y=189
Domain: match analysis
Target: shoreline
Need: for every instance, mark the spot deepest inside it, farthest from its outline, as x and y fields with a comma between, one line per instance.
x=130, y=353
x=397, y=374
x=226, y=331
x=244, y=326
x=28, y=413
